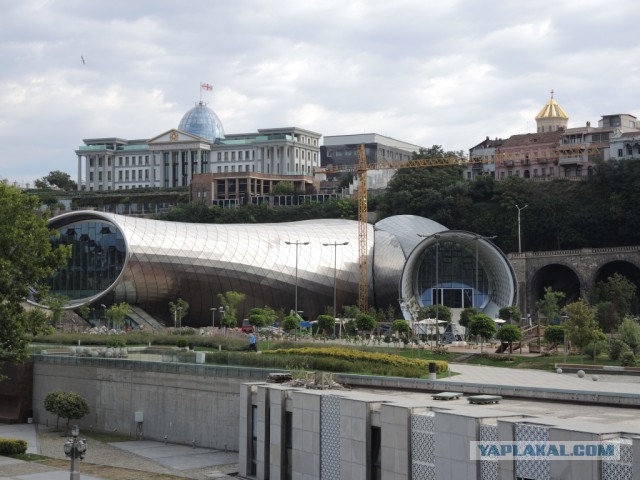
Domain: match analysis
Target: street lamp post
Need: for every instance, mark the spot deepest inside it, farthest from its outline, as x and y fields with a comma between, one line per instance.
x=297, y=244
x=519, y=237
x=213, y=314
x=75, y=449
x=335, y=272
x=564, y=336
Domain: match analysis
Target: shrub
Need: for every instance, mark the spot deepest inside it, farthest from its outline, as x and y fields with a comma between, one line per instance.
x=68, y=405
x=182, y=342
x=12, y=446
x=628, y=359
x=116, y=341
x=387, y=339
x=616, y=348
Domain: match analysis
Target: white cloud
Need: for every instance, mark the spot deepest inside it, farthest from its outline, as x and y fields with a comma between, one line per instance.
x=447, y=73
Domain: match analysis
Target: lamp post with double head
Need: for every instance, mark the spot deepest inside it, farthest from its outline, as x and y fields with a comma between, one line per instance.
x=75, y=449
x=297, y=243
x=335, y=246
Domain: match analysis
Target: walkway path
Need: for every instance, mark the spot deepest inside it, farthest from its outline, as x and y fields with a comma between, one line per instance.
x=140, y=457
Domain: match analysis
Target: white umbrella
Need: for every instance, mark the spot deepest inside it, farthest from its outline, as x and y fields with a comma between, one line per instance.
x=429, y=321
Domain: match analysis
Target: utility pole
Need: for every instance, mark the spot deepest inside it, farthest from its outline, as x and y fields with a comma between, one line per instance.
x=519, y=237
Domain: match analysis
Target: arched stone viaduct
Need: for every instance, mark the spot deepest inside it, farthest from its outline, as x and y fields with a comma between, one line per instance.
x=575, y=272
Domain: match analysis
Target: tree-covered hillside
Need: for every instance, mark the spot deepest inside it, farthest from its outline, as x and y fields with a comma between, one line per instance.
x=600, y=211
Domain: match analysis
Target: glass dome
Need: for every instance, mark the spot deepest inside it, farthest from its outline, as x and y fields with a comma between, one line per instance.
x=202, y=121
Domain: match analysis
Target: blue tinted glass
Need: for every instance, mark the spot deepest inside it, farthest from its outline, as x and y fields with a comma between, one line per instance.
x=97, y=258
x=202, y=121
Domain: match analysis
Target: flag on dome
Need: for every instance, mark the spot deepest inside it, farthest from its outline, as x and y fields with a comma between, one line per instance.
x=205, y=86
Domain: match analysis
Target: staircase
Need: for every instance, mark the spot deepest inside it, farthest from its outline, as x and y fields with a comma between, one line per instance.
x=530, y=335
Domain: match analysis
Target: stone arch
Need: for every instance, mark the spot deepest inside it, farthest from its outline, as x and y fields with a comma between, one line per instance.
x=625, y=268
x=560, y=278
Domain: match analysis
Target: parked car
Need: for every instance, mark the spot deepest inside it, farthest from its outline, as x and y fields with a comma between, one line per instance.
x=246, y=327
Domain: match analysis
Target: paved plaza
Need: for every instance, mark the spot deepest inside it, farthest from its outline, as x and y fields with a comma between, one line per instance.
x=183, y=461
x=179, y=461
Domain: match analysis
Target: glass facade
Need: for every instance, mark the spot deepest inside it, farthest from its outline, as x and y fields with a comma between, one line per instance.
x=453, y=281
x=97, y=259
x=203, y=122
x=148, y=263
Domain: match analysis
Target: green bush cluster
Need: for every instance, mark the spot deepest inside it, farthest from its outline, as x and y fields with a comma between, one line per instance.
x=628, y=359
x=12, y=446
x=617, y=348
x=327, y=364
x=116, y=341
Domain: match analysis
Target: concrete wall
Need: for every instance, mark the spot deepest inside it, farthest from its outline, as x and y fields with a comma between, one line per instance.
x=180, y=402
x=420, y=438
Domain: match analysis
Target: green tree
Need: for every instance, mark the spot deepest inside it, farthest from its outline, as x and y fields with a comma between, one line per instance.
x=620, y=293
x=509, y=333
x=466, y=315
x=483, y=326
x=441, y=312
x=116, y=314
x=26, y=260
x=629, y=331
x=326, y=324
x=401, y=327
x=50, y=404
x=365, y=322
x=230, y=300
x=58, y=179
x=511, y=314
x=548, y=306
x=554, y=335
x=55, y=303
x=68, y=405
x=291, y=323
x=581, y=325
x=262, y=317
x=178, y=309
x=284, y=187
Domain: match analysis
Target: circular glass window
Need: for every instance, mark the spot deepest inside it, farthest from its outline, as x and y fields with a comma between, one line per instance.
x=98, y=255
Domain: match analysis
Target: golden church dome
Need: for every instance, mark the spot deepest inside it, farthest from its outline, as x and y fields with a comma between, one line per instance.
x=552, y=110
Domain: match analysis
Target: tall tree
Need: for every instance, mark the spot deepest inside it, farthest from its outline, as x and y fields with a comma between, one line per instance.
x=230, y=300
x=509, y=333
x=581, y=325
x=26, y=260
x=116, y=314
x=58, y=179
x=483, y=326
x=549, y=305
x=620, y=293
x=178, y=310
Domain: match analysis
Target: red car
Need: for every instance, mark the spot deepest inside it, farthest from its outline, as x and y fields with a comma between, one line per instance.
x=246, y=327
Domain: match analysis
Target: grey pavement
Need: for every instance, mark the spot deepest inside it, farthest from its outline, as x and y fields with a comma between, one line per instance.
x=179, y=460
x=537, y=378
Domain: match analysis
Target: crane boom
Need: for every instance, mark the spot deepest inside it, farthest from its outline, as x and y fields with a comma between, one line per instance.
x=362, y=167
x=363, y=225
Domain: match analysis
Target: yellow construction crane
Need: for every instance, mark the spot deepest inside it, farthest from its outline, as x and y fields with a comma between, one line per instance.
x=361, y=169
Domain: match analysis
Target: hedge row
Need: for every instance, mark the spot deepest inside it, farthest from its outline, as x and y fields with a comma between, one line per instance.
x=12, y=446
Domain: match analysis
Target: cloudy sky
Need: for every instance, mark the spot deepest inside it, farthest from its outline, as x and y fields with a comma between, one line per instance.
x=449, y=72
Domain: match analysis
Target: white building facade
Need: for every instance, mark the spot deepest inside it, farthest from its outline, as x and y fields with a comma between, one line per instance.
x=198, y=145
